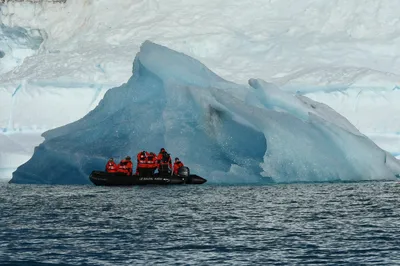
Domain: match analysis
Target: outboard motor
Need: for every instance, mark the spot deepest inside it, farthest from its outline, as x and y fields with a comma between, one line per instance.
x=184, y=172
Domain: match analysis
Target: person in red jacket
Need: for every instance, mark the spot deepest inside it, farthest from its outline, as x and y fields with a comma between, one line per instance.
x=122, y=167
x=164, y=162
x=129, y=165
x=125, y=166
x=141, y=163
x=151, y=162
x=160, y=154
x=177, y=164
x=111, y=166
x=164, y=156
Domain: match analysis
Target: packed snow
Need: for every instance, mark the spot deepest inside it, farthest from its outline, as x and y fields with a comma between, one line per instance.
x=226, y=132
x=57, y=60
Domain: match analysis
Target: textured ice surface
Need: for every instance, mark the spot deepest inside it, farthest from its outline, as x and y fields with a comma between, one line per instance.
x=226, y=132
x=58, y=59
x=17, y=43
x=341, y=52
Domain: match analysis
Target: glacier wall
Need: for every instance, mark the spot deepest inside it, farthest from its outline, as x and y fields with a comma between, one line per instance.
x=226, y=132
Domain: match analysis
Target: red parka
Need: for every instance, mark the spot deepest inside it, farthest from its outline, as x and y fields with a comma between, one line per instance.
x=111, y=167
x=177, y=164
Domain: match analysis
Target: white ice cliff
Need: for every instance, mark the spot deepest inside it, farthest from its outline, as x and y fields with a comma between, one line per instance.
x=59, y=57
x=226, y=132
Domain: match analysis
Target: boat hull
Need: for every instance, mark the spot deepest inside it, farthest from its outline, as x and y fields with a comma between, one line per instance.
x=100, y=178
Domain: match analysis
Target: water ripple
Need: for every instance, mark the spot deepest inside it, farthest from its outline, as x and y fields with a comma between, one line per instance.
x=337, y=224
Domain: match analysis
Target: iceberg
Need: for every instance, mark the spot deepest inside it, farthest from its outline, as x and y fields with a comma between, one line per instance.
x=227, y=132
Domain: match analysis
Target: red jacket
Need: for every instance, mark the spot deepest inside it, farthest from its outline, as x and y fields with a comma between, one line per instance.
x=129, y=166
x=142, y=160
x=177, y=165
x=111, y=167
x=164, y=158
x=125, y=166
x=151, y=160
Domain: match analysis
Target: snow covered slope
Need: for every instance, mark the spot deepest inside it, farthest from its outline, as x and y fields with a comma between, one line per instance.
x=225, y=132
x=58, y=59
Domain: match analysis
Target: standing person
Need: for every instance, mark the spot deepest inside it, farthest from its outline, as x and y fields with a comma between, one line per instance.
x=159, y=156
x=177, y=164
x=111, y=166
x=164, y=162
x=164, y=156
x=141, y=163
x=151, y=163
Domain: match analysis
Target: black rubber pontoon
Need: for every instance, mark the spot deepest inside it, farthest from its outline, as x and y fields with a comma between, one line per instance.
x=101, y=178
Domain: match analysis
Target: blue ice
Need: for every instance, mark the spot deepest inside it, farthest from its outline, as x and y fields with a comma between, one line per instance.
x=225, y=132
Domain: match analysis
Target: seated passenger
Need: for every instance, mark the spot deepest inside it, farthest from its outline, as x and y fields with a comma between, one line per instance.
x=122, y=168
x=111, y=166
x=129, y=165
x=177, y=164
x=125, y=166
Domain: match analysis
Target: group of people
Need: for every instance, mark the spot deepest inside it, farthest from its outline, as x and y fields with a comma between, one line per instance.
x=147, y=163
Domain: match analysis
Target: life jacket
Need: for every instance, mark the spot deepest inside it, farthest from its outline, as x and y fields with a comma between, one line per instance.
x=151, y=160
x=142, y=160
x=111, y=167
x=122, y=167
x=177, y=165
x=129, y=166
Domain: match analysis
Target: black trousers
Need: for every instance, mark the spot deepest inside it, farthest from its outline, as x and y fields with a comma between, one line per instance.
x=164, y=170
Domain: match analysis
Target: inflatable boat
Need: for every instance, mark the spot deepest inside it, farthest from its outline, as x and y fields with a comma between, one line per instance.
x=101, y=178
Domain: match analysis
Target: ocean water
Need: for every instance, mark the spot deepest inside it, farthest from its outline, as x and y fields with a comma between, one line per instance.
x=336, y=224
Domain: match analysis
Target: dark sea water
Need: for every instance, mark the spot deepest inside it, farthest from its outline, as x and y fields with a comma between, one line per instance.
x=336, y=224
